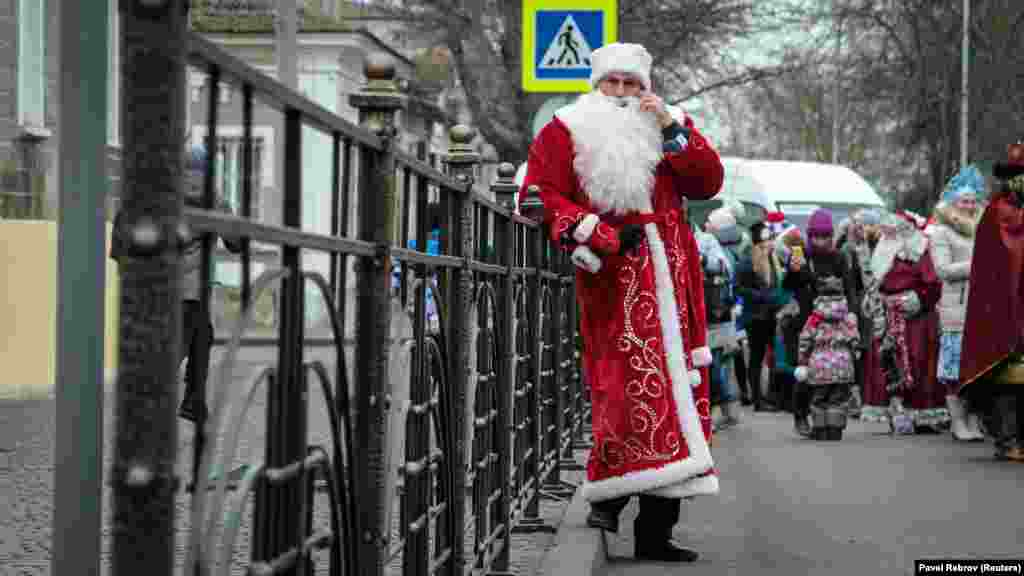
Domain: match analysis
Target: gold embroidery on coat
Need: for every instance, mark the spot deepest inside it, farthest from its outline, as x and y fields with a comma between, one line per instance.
x=647, y=359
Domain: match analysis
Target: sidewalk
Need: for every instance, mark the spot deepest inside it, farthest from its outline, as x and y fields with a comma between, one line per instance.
x=27, y=468
x=870, y=504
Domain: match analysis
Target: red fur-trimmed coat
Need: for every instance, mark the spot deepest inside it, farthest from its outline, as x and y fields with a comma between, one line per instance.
x=642, y=319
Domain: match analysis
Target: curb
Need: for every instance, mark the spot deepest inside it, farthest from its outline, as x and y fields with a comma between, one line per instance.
x=578, y=550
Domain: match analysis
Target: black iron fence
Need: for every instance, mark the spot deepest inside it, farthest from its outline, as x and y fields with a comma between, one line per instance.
x=462, y=445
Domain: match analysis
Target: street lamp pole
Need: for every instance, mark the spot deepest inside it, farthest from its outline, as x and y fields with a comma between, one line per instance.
x=835, y=89
x=964, y=86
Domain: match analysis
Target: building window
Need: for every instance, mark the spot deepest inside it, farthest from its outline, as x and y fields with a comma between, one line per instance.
x=32, y=63
x=228, y=177
x=114, y=75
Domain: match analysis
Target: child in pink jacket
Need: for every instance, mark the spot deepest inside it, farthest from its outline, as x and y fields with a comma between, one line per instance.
x=829, y=348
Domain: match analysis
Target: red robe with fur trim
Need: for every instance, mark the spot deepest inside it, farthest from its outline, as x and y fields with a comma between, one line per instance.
x=994, y=326
x=642, y=319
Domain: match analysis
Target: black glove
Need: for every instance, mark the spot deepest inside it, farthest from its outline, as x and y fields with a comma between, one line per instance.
x=630, y=237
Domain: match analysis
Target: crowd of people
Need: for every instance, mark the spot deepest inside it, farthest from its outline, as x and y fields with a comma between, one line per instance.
x=862, y=318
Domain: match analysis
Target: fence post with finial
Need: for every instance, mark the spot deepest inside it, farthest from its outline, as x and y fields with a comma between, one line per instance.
x=378, y=103
x=147, y=246
x=461, y=162
x=504, y=189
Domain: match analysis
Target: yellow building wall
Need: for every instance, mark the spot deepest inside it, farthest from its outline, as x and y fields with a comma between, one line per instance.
x=28, y=309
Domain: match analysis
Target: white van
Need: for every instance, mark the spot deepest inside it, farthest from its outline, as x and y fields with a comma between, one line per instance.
x=795, y=188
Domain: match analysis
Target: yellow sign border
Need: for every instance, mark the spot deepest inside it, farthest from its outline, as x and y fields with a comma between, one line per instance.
x=530, y=82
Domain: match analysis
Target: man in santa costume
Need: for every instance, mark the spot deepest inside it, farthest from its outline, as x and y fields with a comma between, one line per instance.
x=901, y=305
x=614, y=170
x=992, y=359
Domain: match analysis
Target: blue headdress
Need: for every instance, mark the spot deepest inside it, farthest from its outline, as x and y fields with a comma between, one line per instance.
x=967, y=181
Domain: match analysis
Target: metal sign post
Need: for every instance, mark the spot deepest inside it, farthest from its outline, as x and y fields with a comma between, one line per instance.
x=558, y=38
x=81, y=278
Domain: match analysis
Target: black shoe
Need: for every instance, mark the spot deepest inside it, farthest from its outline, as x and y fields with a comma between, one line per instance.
x=663, y=552
x=603, y=521
x=802, y=427
x=834, y=434
x=745, y=401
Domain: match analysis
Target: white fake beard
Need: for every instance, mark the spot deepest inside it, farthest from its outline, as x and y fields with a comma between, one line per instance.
x=908, y=246
x=617, y=151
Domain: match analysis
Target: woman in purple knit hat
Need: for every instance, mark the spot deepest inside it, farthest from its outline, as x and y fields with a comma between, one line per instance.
x=804, y=278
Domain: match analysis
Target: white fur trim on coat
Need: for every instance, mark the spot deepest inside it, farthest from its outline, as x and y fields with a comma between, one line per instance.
x=586, y=228
x=585, y=258
x=700, y=486
x=701, y=357
x=699, y=461
x=695, y=378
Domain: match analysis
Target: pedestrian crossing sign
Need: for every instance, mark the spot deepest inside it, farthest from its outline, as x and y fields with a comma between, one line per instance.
x=558, y=38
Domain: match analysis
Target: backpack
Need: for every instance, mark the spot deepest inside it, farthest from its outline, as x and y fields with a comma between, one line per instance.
x=718, y=296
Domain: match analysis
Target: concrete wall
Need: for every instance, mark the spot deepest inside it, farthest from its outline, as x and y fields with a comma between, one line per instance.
x=28, y=309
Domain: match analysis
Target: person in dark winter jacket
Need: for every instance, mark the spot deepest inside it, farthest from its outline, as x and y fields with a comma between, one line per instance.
x=722, y=224
x=197, y=330
x=854, y=246
x=718, y=304
x=791, y=248
x=801, y=279
x=829, y=347
x=759, y=283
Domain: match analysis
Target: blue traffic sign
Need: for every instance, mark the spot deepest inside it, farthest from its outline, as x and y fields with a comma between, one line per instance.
x=559, y=37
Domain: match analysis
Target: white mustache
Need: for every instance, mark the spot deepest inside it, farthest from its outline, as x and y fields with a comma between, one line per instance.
x=624, y=102
x=630, y=102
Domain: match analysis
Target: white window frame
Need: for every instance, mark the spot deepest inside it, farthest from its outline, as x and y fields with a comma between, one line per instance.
x=31, y=112
x=266, y=133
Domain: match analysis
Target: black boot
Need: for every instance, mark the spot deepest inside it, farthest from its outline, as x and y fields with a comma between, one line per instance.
x=663, y=551
x=835, y=422
x=604, y=515
x=819, y=431
x=653, y=531
x=800, y=425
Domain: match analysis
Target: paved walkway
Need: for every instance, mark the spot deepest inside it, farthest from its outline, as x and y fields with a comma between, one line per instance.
x=27, y=468
x=870, y=504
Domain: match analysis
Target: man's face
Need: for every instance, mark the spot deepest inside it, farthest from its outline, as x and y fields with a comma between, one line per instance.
x=871, y=232
x=620, y=85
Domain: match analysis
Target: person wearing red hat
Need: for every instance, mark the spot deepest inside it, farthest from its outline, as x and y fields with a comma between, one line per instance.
x=992, y=359
x=906, y=290
x=613, y=171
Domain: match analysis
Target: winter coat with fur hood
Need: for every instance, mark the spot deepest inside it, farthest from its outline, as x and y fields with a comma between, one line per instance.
x=952, y=242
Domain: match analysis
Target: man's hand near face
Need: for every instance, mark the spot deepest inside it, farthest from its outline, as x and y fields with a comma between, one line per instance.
x=651, y=102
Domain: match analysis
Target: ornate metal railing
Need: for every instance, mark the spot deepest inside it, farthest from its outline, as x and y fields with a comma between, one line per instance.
x=461, y=401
